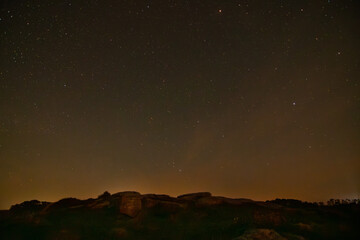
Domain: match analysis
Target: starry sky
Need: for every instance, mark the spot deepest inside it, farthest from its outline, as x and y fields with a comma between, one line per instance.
x=253, y=99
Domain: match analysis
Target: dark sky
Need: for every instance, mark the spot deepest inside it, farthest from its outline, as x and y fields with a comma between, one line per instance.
x=254, y=99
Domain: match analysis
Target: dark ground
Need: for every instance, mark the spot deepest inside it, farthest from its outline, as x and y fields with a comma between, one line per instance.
x=130, y=215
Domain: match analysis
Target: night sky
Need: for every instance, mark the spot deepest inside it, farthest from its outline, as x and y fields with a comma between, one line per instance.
x=253, y=99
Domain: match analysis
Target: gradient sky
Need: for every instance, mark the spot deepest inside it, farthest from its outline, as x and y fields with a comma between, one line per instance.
x=254, y=99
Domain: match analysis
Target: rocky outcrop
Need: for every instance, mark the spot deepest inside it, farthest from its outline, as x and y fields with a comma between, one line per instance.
x=209, y=201
x=130, y=203
x=99, y=203
x=126, y=193
x=167, y=205
x=130, y=215
x=105, y=195
x=238, y=201
x=160, y=197
x=205, y=199
x=194, y=196
x=33, y=205
x=65, y=203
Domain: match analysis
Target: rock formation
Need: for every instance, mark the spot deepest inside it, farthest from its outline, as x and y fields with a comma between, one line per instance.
x=131, y=215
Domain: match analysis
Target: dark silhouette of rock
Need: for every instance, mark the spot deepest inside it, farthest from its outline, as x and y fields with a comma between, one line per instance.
x=131, y=215
x=126, y=193
x=170, y=206
x=64, y=204
x=105, y=195
x=100, y=203
x=160, y=197
x=194, y=196
x=129, y=203
x=209, y=201
x=33, y=205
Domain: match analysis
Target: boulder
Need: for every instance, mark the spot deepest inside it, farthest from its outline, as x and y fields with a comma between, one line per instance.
x=126, y=193
x=209, y=201
x=64, y=204
x=105, y=195
x=99, y=204
x=194, y=196
x=170, y=206
x=237, y=201
x=162, y=197
x=130, y=203
x=33, y=205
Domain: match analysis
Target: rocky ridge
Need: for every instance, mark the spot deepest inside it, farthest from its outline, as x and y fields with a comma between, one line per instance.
x=131, y=215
